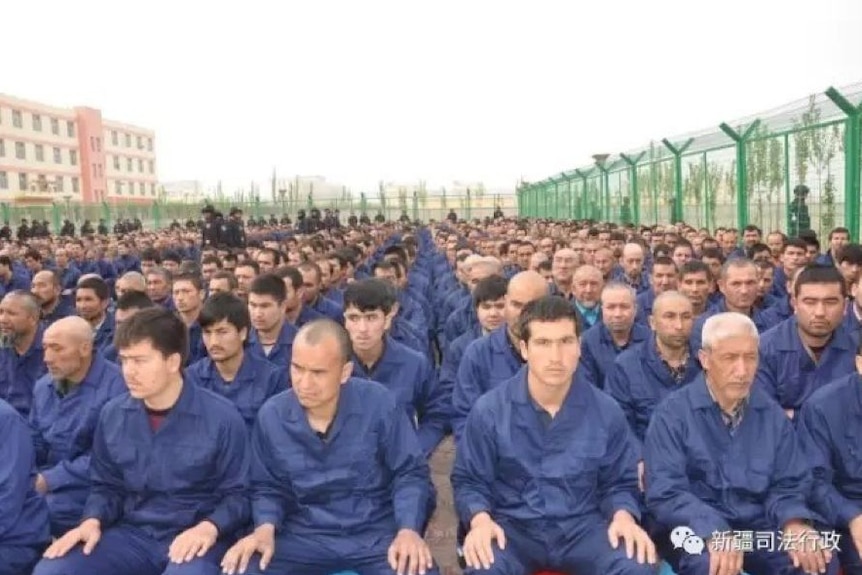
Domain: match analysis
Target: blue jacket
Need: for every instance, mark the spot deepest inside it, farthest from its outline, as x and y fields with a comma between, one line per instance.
x=700, y=475
x=598, y=350
x=412, y=379
x=644, y=301
x=194, y=467
x=64, y=308
x=197, y=349
x=104, y=336
x=452, y=358
x=788, y=374
x=256, y=381
x=307, y=315
x=281, y=352
x=328, y=308
x=761, y=320
x=366, y=481
x=830, y=430
x=487, y=362
x=570, y=473
x=639, y=380
x=460, y=321
x=63, y=429
x=20, y=372
x=24, y=520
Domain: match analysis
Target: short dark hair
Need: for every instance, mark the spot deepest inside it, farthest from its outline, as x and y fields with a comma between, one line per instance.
x=370, y=294
x=546, y=309
x=695, y=267
x=819, y=274
x=271, y=285
x=226, y=275
x=98, y=285
x=134, y=300
x=248, y=264
x=192, y=278
x=212, y=260
x=794, y=243
x=492, y=288
x=151, y=255
x=165, y=331
x=386, y=266
x=225, y=306
x=663, y=261
x=291, y=273
x=756, y=249
x=713, y=254
x=851, y=253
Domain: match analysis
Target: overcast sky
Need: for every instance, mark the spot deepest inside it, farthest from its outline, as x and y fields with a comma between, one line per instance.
x=364, y=90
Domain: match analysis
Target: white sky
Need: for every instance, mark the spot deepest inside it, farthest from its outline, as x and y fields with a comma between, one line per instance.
x=364, y=90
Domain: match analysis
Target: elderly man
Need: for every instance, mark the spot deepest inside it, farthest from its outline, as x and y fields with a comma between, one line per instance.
x=47, y=286
x=605, y=341
x=545, y=467
x=130, y=281
x=21, y=359
x=632, y=261
x=365, y=505
x=563, y=266
x=587, y=283
x=66, y=405
x=721, y=457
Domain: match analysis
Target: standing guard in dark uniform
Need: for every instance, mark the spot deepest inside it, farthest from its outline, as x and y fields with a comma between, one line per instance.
x=211, y=229
x=234, y=236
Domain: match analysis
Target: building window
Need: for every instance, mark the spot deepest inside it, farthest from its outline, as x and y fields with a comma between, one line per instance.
x=37, y=123
x=58, y=183
x=16, y=119
x=152, y=189
x=150, y=144
x=115, y=140
x=58, y=156
x=4, y=181
x=55, y=126
x=117, y=163
x=140, y=143
x=152, y=169
x=40, y=153
x=128, y=140
x=99, y=145
x=75, y=184
x=95, y=170
x=73, y=157
x=129, y=167
x=92, y=143
x=2, y=149
x=20, y=151
x=118, y=188
x=70, y=128
x=140, y=165
x=22, y=182
x=141, y=188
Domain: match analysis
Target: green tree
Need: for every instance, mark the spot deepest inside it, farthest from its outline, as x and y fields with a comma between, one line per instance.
x=775, y=174
x=693, y=184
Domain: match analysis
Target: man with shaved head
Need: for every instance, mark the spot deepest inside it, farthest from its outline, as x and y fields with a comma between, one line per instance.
x=66, y=405
x=47, y=286
x=21, y=353
x=645, y=374
x=464, y=318
x=632, y=262
x=131, y=281
x=563, y=266
x=367, y=501
x=496, y=357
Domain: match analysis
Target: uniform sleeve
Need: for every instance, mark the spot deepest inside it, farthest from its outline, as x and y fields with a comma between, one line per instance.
x=412, y=491
x=449, y=371
x=107, y=486
x=68, y=473
x=475, y=468
x=668, y=495
x=234, y=508
x=819, y=450
x=467, y=390
x=272, y=496
x=16, y=463
x=618, y=386
x=618, y=475
x=766, y=378
x=435, y=412
x=588, y=366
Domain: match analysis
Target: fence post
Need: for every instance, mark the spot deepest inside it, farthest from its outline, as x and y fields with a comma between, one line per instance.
x=633, y=185
x=677, y=214
x=415, y=205
x=583, y=204
x=852, y=153
x=741, y=169
x=469, y=205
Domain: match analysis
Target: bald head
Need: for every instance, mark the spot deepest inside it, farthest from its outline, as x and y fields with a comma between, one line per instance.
x=632, y=250
x=328, y=333
x=670, y=299
x=46, y=276
x=585, y=273
x=73, y=329
x=131, y=281
x=528, y=282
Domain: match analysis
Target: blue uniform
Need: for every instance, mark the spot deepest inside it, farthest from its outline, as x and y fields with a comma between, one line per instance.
x=459, y=321
x=640, y=379
x=104, y=335
x=63, y=428
x=709, y=476
x=20, y=372
x=487, y=362
x=412, y=379
x=64, y=308
x=281, y=352
x=197, y=349
x=830, y=430
x=452, y=359
x=24, y=532
x=256, y=381
x=328, y=308
x=347, y=493
x=599, y=351
x=307, y=315
x=761, y=319
x=148, y=487
x=786, y=371
x=552, y=484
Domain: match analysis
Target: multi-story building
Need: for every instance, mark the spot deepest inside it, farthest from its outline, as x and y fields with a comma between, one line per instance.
x=50, y=154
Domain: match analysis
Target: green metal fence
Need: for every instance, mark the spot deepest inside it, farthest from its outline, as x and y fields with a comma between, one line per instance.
x=738, y=173
x=419, y=206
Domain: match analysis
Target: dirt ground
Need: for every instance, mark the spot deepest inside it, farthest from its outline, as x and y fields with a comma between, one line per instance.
x=443, y=528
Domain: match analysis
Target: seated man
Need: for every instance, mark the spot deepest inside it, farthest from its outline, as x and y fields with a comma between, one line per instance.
x=245, y=379
x=546, y=466
x=169, y=468
x=339, y=479
x=721, y=456
x=829, y=430
x=66, y=406
x=24, y=528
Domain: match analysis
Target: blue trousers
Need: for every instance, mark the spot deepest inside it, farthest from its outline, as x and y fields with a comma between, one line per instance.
x=848, y=556
x=129, y=551
x=325, y=555
x=18, y=560
x=585, y=551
